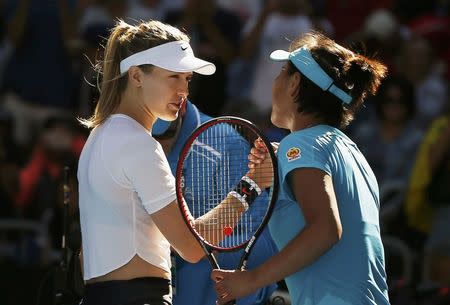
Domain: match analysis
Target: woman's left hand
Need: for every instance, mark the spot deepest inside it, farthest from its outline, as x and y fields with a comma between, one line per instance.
x=232, y=284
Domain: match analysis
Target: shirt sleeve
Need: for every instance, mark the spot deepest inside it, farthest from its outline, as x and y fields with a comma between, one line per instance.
x=149, y=173
x=299, y=150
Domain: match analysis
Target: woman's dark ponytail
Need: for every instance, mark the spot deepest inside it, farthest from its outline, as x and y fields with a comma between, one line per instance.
x=363, y=75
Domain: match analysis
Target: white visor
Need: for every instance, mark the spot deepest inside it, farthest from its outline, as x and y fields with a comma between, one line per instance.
x=176, y=56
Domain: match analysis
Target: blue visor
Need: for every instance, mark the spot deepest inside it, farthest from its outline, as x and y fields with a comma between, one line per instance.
x=306, y=64
x=160, y=127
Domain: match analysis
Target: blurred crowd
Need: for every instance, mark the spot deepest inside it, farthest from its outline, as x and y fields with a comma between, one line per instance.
x=48, y=53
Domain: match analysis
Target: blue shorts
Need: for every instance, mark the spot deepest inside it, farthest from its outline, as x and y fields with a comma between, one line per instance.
x=139, y=291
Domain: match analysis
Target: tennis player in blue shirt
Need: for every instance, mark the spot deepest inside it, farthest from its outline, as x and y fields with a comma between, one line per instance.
x=325, y=223
x=192, y=282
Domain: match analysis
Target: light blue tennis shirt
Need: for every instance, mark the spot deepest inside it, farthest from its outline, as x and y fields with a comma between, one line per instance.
x=352, y=271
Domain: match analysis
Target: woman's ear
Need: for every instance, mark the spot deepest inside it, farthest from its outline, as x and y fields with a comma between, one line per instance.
x=294, y=84
x=135, y=76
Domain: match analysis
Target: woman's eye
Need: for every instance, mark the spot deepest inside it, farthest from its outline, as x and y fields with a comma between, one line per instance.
x=181, y=77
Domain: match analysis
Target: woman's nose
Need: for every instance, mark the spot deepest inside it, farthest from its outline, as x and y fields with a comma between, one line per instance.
x=184, y=88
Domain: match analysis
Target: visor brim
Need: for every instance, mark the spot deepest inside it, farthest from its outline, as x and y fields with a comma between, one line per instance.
x=280, y=55
x=190, y=64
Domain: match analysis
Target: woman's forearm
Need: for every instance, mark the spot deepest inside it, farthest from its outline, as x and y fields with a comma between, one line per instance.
x=311, y=243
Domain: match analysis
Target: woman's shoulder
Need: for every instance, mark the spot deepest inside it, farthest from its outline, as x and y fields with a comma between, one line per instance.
x=122, y=131
x=311, y=135
x=304, y=139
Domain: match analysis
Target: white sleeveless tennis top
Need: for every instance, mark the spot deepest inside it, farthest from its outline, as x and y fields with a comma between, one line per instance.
x=123, y=177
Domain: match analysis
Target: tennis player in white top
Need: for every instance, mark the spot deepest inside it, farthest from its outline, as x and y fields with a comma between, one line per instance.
x=128, y=210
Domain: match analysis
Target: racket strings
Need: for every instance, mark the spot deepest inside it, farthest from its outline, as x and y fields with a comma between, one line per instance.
x=220, y=160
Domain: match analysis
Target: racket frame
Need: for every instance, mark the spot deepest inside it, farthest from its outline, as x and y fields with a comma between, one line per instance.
x=273, y=194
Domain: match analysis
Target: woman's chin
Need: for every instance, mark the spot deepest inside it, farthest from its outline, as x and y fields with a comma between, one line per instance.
x=278, y=122
x=275, y=119
x=172, y=116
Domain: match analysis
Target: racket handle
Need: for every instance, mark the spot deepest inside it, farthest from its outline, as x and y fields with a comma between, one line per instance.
x=232, y=302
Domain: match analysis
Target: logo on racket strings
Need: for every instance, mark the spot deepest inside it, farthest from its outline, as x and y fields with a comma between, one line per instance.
x=227, y=231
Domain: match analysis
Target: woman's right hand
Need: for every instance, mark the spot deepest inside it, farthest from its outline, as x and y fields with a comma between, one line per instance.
x=232, y=284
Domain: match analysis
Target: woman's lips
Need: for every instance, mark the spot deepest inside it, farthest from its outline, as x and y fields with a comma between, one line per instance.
x=178, y=104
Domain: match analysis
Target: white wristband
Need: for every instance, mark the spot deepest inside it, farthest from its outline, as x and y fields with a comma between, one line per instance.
x=252, y=183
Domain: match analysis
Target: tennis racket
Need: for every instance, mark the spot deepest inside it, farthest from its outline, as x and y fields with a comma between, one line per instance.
x=211, y=171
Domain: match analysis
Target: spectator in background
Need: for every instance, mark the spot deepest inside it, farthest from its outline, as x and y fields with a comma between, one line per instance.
x=429, y=20
x=434, y=26
x=39, y=180
x=417, y=63
x=381, y=34
x=215, y=34
x=278, y=23
x=427, y=205
x=38, y=80
x=390, y=139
